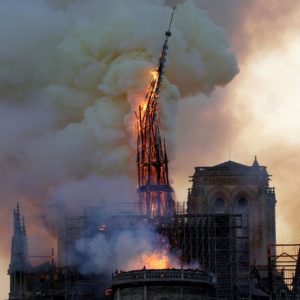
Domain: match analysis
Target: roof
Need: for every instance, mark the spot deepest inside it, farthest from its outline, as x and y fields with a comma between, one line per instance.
x=233, y=167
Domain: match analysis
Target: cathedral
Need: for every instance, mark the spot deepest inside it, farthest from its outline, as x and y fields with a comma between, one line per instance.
x=218, y=193
x=234, y=188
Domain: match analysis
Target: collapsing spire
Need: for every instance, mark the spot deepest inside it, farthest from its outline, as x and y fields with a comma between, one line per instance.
x=155, y=192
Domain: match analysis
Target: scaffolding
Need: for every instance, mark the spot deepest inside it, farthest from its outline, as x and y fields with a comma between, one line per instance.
x=218, y=243
x=284, y=271
x=74, y=231
x=96, y=220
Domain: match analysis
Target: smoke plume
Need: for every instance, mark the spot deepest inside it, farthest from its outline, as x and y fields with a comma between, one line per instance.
x=125, y=249
x=71, y=76
x=72, y=79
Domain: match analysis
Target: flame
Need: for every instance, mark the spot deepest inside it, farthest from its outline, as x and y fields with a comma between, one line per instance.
x=154, y=75
x=143, y=105
x=159, y=259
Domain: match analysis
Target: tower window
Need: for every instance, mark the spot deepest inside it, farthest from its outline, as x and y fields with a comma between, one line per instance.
x=219, y=204
x=242, y=203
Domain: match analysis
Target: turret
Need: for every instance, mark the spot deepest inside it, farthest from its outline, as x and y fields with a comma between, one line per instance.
x=19, y=262
x=255, y=163
x=19, y=249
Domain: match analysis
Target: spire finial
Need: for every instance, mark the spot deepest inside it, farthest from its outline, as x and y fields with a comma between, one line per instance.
x=255, y=163
x=17, y=221
x=163, y=56
x=168, y=33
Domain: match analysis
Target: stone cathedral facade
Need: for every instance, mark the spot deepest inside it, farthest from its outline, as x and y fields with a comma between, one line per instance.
x=235, y=188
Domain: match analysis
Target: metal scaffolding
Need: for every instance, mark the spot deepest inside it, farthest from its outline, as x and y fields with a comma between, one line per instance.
x=74, y=231
x=95, y=221
x=284, y=271
x=220, y=244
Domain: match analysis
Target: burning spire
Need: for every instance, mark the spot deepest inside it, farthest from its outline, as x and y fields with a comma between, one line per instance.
x=155, y=192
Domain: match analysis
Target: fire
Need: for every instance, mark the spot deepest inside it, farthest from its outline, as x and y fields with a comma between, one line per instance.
x=160, y=259
x=143, y=105
x=154, y=75
x=157, y=260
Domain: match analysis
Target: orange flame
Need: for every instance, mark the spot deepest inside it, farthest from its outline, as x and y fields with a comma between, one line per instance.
x=156, y=260
x=154, y=75
x=143, y=103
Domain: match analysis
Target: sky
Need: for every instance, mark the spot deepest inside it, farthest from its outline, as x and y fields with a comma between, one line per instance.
x=257, y=113
x=254, y=114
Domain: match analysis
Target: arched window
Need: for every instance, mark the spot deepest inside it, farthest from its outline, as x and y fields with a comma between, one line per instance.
x=241, y=207
x=219, y=205
x=242, y=203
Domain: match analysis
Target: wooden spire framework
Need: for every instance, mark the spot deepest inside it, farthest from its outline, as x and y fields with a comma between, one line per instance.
x=154, y=190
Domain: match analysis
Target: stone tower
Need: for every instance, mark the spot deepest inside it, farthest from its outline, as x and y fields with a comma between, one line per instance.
x=19, y=262
x=231, y=187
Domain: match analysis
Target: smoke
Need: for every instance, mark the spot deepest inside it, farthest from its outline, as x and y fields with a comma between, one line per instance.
x=72, y=79
x=257, y=113
x=123, y=250
x=71, y=76
x=44, y=92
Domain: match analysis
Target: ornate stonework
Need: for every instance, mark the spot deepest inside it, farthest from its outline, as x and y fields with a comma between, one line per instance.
x=231, y=187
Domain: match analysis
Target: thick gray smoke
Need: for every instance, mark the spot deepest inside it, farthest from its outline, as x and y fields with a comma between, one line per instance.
x=124, y=250
x=71, y=76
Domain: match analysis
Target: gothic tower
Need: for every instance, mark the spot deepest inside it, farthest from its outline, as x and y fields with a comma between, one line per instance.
x=19, y=263
x=232, y=188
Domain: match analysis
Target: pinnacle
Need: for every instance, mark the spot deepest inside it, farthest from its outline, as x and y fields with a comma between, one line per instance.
x=255, y=163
